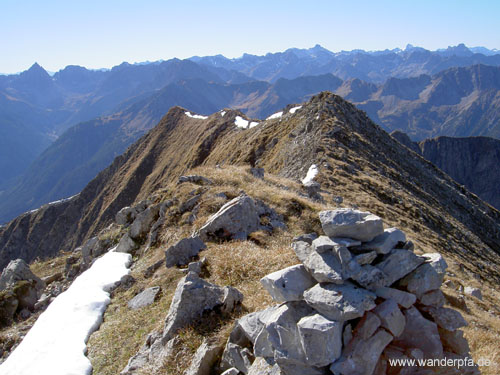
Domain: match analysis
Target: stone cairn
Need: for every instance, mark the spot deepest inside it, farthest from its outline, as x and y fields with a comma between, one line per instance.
x=360, y=299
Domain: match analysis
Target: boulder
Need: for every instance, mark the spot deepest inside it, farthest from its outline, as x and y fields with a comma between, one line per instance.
x=365, y=258
x=204, y=359
x=399, y=263
x=237, y=218
x=181, y=253
x=261, y=366
x=367, y=326
x=235, y=356
x=437, y=262
x=403, y=299
x=125, y=216
x=26, y=293
x=454, y=341
x=145, y=298
x=195, y=179
x=127, y=245
x=17, y=270
x=474, y=292
x=143, y=222
x=192, y=296
x=309, y=238
x=346, y=222
x=433, y=298
x=446, y=318
x=386, y=241
x=421, y=280
x=325, y=267
x=340, y=302
x=420, y=333
x=321, y=339
x=391, y=317
x=257, y=172
x=370, y=277
x=288, y=284
x=312, y=189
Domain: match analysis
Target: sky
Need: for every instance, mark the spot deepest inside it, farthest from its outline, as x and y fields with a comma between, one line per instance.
x=104, y=33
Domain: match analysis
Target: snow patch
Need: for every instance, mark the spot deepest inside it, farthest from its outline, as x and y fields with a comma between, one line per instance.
x=295, y=109
x=56, y=343
x=62, y=200
x=276, y=115
x=200, y=117
x=311, y=174
x=240, y=122
x=222, y=113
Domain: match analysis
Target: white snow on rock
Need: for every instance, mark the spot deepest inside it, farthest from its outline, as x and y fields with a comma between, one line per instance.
x=276, y=115
x=56, y=343
x=295, y=109
x=222, y=113
x=240, y=122
x=311, y=173
x=200, y=117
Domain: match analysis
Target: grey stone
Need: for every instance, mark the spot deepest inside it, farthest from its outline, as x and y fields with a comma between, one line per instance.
x=18, y=270
x=454, y=341
x=323, y=244
x=309, y=238
x=386, y=241
x=345, y=242
x=421, y=280
x=232, y=371
x=321, y=339
x=325, y=267
x=446, y=318
x=124, y=216
x=288, y=284
x=257, y=172
x=181, y=253
x=362, y=356
x=398, y=263
x=143, y=222
x=365, y=258
x=391, y=317
x=346, y=222
x=126, y=245
x=420, y=333
x=239, y=216
x=195, y=179
x=192, y=296
x=347, y=334
x=145, y=298
x=195, y=267
x=312, y=189
x=371, y=277
x=367, y=326
x=189, y=204
x=261, y=366
x=340, y=302
x=237, y=357
x=433, y=298
x=403, y=299
x=204, y=359
x=437, y=262
x=474, y=292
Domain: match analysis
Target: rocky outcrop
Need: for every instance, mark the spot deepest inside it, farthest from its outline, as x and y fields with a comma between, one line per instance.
x=354, y=323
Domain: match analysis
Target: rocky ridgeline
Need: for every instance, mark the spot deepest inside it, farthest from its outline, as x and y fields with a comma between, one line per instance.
x=360, y=298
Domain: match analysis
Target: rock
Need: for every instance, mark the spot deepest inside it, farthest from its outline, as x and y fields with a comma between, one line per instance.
x=126, y=245
x=261, y=366
x=347, y=334
x=338, y=199
x=339, y=302
x=145, y=298
x=257, y=172
x=321, y=339
x=288, y=284
x=143, y=222
x=17, y=270
x=367, y=326
x=457, y=301
x=436, y=261
x=125, y=216
x=391, y=317
x=195, y=179
x=446, y=318
x=420, y=333
x=454, y=341
x=8, y=307
x=195, y=267
x=398, y=263
x=346, y=222
x=450, y=284
x=192, y=296
x=204, y=359
x=42, y=302
x=181, y=253
x=365, y=258
x=235, y=356
x=463, y=365
x=403, y=299
x=325, y=267
x=386, y=241
x=26, y=293
x=309, y=238
x=126, y=282
x=362, y=356
x=474, y=292
x=322, y=244
x=189, y=204
x=24, y=314
x=312, y=189
x=51, y=278
x=238, y=217
x=433, y=298
x=86, y=251
x=152, y=268
x=370, y=277
x=421, y=280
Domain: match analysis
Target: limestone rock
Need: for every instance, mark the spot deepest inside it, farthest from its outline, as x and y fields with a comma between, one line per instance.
x=371, y=277
x=398, y=263
x=386, y=241
x=232, y=371
x=433, y=298
x=145, y=298
x=454, y=341
x=8, y=307
x=437, y=262
x=346, y=222
x=474, y=292
x=421, y=280
x=257, y=172
x=204, y=359
x=195, y=179
x=181, y=253
x=403, y=299
x=309, y=238
x=446, y=318
x=325, y=267
x=261, y=366
x=420, y=333
x=143, y=222
x=127, y=245
x=365, y=258
x=321, y=339
x=391, y=317
x=237, y=357
x=367, y=326
x=17, y=270
x=192, y=296
x=288, y=284
x=340, y=302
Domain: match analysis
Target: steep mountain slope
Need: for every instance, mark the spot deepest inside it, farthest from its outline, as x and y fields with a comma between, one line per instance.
x=471, y=161
x=357, y=160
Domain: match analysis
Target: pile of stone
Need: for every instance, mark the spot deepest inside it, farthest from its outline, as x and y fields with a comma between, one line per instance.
x=360, y=298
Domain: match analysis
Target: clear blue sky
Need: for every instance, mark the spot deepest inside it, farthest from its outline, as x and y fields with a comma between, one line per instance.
x=96, y=34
